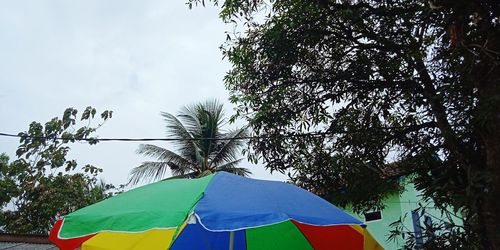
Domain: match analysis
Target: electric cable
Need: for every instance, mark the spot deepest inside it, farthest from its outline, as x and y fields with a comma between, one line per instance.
x=164, y=139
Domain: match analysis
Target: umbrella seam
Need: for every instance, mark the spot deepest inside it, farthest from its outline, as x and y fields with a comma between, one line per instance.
x=193, y=207
x=303, y=235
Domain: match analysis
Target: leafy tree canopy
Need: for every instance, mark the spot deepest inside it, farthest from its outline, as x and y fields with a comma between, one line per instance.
x=7, y=184
x=203, y=147
x=43, y=183
x=384, y=88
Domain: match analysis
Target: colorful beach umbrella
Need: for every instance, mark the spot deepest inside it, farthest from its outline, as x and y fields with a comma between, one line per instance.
x=219, y=211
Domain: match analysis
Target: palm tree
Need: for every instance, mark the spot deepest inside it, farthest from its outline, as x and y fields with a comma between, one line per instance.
x=203, y=147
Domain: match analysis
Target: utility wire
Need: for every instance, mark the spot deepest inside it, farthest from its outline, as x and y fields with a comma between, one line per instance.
x=164, y=139
x=289, y=135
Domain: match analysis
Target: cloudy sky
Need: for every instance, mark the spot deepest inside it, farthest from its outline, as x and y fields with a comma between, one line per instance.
x=136, y=58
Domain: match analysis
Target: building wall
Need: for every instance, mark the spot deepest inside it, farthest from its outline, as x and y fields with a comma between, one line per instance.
x=399, y=207
x=380, y=228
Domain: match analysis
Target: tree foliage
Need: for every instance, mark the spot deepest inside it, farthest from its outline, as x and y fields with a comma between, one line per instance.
x=382, y=88
x=43, y=183
x=7, y=184
x=203, y=146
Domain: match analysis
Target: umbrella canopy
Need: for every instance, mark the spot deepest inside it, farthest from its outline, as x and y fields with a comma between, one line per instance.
x=219, y=211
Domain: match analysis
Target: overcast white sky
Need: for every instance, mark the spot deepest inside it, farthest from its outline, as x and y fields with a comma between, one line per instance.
x=136, y=58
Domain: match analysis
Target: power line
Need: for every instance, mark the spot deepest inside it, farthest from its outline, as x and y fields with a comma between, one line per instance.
x=165, y=139
x=289, y=135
